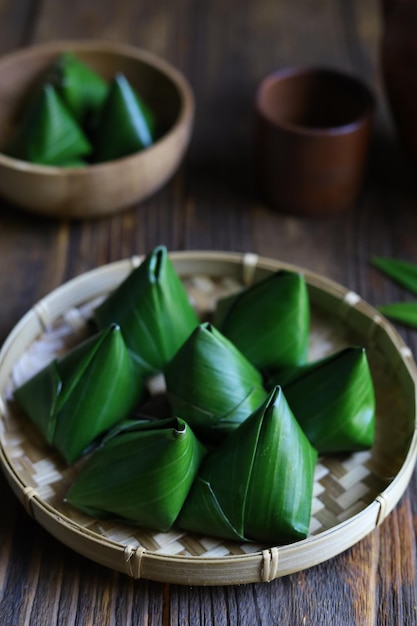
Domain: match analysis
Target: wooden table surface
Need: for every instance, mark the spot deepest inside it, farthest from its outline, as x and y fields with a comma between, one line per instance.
x=224, y=48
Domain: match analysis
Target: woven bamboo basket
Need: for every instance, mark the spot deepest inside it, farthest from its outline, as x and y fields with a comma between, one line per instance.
x=352, y=495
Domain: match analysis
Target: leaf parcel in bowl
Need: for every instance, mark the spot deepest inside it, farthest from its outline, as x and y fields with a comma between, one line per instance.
x=126, y=124
x=78, y=397
x=48, y=134
x=80, y=87
x=257, y=485
x=270, y=321
x=333, y=400
x=212, y=385
x=152, y=308
x=75, y=117
x=142, y=472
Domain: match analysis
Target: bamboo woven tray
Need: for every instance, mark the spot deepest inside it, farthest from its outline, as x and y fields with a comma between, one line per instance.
x=352, y=495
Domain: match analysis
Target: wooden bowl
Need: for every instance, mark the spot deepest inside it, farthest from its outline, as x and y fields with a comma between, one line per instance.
x=105, y=188
x=353, y=493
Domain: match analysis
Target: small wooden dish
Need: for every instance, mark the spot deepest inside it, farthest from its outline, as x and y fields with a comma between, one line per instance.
x=352, y=495
x=106, y=188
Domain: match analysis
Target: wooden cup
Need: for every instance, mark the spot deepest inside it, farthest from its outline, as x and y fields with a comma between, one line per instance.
x=312, y=133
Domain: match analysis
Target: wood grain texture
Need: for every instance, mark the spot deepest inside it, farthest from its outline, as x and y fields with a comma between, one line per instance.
x=224, y=48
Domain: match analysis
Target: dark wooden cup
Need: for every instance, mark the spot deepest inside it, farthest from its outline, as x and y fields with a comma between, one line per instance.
x=312, y=133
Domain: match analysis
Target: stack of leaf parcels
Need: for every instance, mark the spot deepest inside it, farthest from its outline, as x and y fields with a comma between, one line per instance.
x=100, y=382
x=76, y=117
x=236, y=457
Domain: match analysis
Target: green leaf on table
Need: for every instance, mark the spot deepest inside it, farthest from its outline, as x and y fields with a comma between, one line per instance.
x=403, y=312
x=48, y=134
x=81, y=88
x=78, y=397
x=269, y=322
x=126, y=124
x=142, y=472
x=257, y=485
x=333, y=400
x=153, y=310
x=402, y=272
x=212, y=385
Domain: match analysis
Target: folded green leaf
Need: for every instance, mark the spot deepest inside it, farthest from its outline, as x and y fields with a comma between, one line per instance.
x=142, y=473
x=269, y=321
x=125, y=125
x=212, y=385
x=152, y=308
x=257, y=485
x=80, y=87
x=333, y=400
x=80, y=396
x=402, y=272
x=48, y=134
x=403, y=312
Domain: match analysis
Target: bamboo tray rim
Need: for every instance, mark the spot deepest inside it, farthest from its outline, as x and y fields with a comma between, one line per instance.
x=261, y=566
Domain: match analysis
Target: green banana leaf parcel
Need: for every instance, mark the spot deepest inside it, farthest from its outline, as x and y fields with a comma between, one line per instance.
x=212, y=385
x=142, y=472
x=257, y=485
x=270, y=321
x=77, y=398
x=152, y=308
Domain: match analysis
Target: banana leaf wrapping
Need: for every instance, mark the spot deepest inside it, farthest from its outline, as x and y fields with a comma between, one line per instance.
x=270, y=321
x=333, y=400
x=48, y=134
x=126, y=124
x=212, y=385
x=152, y=308
x=142, y=472
x=78, y=397
x=258, y=484
x=80, y=87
